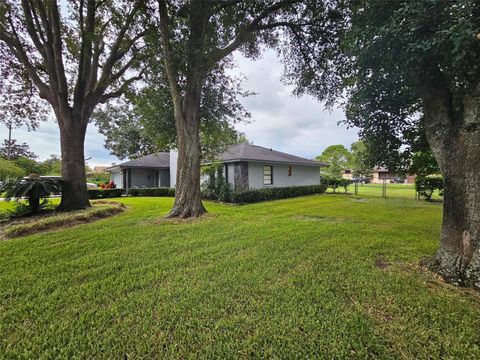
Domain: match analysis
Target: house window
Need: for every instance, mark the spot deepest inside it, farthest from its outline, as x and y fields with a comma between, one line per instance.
x=267, y=175
x=289, y=171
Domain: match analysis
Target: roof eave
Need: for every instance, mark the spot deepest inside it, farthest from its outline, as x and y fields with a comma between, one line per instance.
x=270, y=161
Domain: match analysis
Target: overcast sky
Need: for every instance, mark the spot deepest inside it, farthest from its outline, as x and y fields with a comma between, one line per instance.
x=300, y=126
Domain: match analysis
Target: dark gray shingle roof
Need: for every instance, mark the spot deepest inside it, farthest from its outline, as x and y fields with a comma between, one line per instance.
x=247, y=152
x=157, y=160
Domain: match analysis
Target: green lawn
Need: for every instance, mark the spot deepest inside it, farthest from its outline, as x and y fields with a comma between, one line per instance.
x=393, y=190
x=327, y=276
x=406, y=191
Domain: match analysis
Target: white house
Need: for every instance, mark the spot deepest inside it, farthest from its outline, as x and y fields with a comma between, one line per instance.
x=245, y=167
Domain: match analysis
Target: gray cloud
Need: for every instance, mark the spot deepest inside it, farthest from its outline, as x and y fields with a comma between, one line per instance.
x=301, y=126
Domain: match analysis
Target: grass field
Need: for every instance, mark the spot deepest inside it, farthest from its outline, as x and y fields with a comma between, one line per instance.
x=328, y=276
x=405, y=191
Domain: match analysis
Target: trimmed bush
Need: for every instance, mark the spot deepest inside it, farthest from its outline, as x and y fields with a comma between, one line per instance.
x=334, y=182
x=161, y=191
x=256, y=195
x=104, y=194
x=426, y=185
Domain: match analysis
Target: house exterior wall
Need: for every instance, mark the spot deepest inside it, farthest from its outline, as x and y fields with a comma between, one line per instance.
x=378, y=176
x=230, y=174
x=164, y=178
x=142, y=178
x=117, y=178
x=347, y=174
x=173, y=168
x=410, y=179
x=301, y=175
x=240, y=176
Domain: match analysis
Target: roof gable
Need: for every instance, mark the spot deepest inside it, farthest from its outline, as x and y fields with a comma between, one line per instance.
x=157, y=160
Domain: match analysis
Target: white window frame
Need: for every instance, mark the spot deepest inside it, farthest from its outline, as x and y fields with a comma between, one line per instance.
x=265, y=174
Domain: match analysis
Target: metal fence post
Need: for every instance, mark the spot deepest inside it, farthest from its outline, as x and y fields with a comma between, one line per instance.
x=384, y=188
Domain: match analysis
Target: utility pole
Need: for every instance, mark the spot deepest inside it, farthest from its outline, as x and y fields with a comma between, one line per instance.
x=9, y=145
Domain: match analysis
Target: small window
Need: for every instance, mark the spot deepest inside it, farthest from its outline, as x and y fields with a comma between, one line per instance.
x=289, y=171
x=267, y=175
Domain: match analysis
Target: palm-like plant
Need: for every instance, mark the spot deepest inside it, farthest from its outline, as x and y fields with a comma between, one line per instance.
x=32, y=187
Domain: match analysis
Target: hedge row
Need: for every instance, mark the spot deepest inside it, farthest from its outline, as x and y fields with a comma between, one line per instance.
x=256, y=195
x=242, y=197
x=104, y=193
x=161, y=191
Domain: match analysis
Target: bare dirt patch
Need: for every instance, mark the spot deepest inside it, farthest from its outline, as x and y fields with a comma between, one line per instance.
x=382, y=263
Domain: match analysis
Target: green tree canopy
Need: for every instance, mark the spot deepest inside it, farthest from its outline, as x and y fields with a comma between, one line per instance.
x=360, y=159
x=338, y=159
x=16, y=150
x=9, y=170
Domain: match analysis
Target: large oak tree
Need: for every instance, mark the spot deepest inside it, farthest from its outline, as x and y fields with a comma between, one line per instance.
x=198, y=36
x=76, y=57
x=415, y=65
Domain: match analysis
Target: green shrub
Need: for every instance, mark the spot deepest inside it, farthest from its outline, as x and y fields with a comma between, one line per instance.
x=34, y=188
x=256, y=195
x=21, y=208
x=335, y=182
x=10, y=170
x=426, y=185
x=215, y=186
x=104, y=193
x=161, y=191
x=224, y=192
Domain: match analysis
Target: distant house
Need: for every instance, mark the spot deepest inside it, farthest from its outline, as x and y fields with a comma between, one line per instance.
x=245, y=167
x=99, y=169
x=380, y=173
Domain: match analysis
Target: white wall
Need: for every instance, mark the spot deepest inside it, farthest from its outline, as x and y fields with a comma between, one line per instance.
x=301, y=175
x=173, y=167
x=117, y=178
x=230, y=174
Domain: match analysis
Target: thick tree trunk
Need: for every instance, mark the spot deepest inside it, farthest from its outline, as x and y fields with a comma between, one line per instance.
x=458, y=154
x=188, y=196
x=74, y=193
x=34, y=204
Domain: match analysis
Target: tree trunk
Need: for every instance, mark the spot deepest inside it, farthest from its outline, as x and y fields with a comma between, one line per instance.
x=9, y=146
x=458, y=154
x=188, y=196
x=74, y=192
x=34, y=204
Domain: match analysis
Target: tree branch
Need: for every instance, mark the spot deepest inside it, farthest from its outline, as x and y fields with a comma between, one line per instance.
x=114, y=94
x=31, y=28
x=18, y=50
x=168, y=58
x=102, y=84
x=121, y=72
x=246, y=32
x=86, y=50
